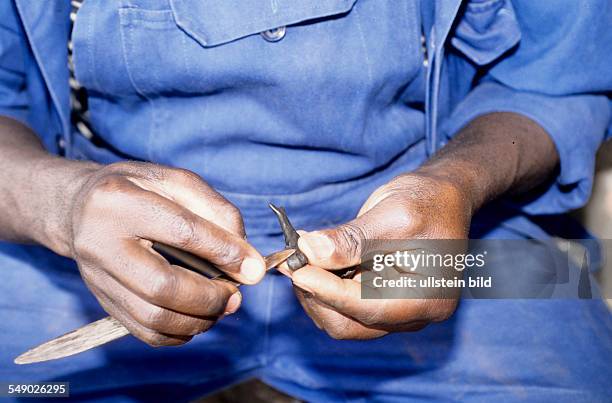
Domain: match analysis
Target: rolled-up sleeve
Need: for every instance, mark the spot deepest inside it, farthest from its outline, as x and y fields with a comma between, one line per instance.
x=14, y=55
x=558, y=76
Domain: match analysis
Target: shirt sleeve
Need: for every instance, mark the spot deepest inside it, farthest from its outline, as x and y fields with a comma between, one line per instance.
x=14, y=56
x=558, y=76
x=609, y=133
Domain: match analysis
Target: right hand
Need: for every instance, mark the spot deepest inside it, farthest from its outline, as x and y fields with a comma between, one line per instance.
x=116, y=214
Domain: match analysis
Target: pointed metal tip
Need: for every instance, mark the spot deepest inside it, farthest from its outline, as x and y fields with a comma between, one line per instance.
x=277, y=210
x=298, y=259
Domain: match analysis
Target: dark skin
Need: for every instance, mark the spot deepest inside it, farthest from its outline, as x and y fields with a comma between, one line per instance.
x=106, y=217
x=496, y=154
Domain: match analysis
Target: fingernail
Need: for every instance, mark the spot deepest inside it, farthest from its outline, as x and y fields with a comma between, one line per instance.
x=233, y=303
x=252, y=269
x=316, y=245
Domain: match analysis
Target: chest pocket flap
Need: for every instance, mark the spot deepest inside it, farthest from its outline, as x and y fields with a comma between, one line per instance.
x=487, y=30
x=213, y=22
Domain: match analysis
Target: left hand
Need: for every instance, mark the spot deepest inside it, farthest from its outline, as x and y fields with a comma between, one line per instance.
x=419, y=205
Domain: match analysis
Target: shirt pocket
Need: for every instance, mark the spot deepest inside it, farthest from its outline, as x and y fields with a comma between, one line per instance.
x=213, y=23
x=487, y=29
x=203, y=46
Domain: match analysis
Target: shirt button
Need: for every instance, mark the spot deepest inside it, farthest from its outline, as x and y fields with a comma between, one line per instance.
x=274, y=35
x=61, y=144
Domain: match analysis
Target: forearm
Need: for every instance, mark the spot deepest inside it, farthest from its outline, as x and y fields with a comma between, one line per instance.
x=36, y=189
x=496, y=154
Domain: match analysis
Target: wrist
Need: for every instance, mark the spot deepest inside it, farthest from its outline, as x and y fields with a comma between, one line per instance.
x=462, y=178
x=495, y=154
x=55, y=183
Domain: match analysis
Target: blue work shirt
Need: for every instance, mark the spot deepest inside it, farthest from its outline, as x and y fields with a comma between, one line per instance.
x=331, y=101
x=346, y=96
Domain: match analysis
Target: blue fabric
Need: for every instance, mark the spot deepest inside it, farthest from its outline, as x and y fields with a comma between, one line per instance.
x=314, y=122
x=318, y=117
x=24, y=94
x=502, y=350
x=211, y=95
x=564, y=119
x=175, y=99
x=557, y=75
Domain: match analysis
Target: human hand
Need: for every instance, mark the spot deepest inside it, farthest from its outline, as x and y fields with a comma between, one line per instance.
x=117, y=213
x=421, y=205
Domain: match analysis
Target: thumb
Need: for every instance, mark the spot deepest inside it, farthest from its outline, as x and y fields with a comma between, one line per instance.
x=345, y=245
x=333, y=248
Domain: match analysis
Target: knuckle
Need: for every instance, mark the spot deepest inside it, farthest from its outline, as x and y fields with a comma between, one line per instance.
x=213, y=301
x=137, y=169
x=207, y=300
x=380, y=315
x=121, y=166
x=186, y=176
x=185, y=231
x=234, y=217
x=337, y=333
x=231, y=254
x=200, y=326
x=154, y=172
x=161, y=287
x=378, y=319
x=155, y=318
x=336, y=328
x=104, y=186
x=225, y=253
x=407, y=219
x=371, y=319
x=442, y=309
x=157, y=340
x=351, y=237
x=101, y=195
